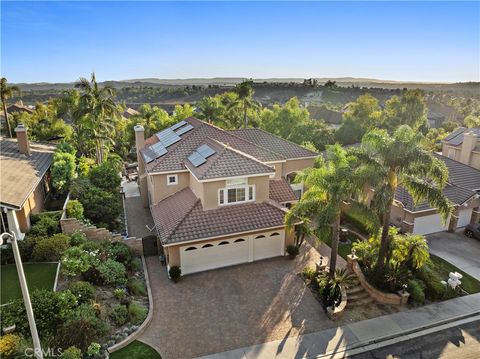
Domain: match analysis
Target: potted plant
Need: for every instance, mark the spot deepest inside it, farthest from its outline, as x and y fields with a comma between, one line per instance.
x=292, y=251
x=175, y=273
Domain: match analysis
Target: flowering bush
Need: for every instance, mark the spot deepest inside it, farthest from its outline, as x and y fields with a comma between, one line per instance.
x=93, y=349
x=72, y=353
x=8, y=345
x=76, y=261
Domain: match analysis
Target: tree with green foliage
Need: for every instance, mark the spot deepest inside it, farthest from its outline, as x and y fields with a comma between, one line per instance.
x=330, y=184
x=397, y=160
x=63, y=170
x=6, y=92
x=472, y=121
x=210, y=109
x=409, y=109
x=105, y=177
x=245, y=100
x=181, y=112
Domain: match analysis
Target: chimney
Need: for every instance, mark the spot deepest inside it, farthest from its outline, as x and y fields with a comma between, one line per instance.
x=139, y=144
x=469, y=143
x=22, y=139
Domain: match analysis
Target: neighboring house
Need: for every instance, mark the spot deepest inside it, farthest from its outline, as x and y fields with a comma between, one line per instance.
x=129, y=112
x=23, y=180
x=462, y=189
x=439, y=113
x=331, y=118
x=218, y=197
x=463, y=145
x=17, y=107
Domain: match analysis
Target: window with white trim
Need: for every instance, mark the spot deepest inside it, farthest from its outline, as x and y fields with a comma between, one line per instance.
x=172, y=180
x=236, y=191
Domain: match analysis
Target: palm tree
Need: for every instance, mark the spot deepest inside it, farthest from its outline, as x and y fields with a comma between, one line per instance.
x=6, y=92
x=210, y=109
x=245, y=99
x=399, y=160
x=331, y=187
x=99, y=111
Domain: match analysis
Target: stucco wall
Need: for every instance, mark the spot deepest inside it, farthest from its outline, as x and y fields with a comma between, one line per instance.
x=297, y=165
x=475, y=160
x=160, y=189
x=34, y=204
x=278, y=169
x=262, y=187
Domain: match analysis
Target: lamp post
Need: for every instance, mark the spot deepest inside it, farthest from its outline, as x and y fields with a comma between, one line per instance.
x=26, y=296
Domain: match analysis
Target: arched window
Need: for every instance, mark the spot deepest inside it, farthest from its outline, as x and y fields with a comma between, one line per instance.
x=239, y=240
x=223, y=243
x=260, y=236
x=274, y=234
x=190, y=249
x=208, y=245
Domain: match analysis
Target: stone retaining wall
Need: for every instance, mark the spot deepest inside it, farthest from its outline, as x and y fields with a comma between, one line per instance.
x=376, y=294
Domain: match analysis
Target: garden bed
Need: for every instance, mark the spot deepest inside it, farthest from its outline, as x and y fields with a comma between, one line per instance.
x=137, y=350
x=38, y=275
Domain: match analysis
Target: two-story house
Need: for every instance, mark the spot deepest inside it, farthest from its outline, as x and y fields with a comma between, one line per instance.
x=463, y=145
x=217, y=197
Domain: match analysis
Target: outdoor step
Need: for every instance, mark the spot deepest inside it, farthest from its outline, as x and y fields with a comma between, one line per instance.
x=355, y=289
x=358, y=296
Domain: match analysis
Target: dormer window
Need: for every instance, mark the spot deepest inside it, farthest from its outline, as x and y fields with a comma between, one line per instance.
x=172, y=180
x=237, y=191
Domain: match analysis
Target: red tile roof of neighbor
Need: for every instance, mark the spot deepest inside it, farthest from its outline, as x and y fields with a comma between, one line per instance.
x=281, y=191
x=181, y=218
x=255, y=143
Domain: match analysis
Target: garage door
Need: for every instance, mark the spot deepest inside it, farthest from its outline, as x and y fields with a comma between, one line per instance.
x=464, y=217
x=429, y=224
x=205, y=256
x=268, y=245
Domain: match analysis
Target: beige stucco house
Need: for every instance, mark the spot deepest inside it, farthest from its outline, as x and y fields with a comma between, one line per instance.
x=218, y=197
x=463, y=145
x=24, y=171
x=463, y=191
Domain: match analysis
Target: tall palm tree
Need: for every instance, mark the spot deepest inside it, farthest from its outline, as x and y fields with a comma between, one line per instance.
x=99, y=111
x=7, y=91
x=209, y=109
x=331, y=187
x=399, y=160
x=245, y=99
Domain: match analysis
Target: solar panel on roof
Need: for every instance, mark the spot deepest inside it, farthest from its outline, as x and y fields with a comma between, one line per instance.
x=184, y=129
x=196, y=159
x=178, y=125
x=206, y=151
x=159, y=149
x=148, y=155
x=168, y=137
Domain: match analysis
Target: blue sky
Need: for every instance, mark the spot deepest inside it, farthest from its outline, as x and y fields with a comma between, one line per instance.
x=409, y=41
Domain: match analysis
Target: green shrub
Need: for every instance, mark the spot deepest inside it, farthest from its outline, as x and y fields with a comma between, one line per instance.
x=93, y=349
x=25, y=247
x=136, y=313
x=119, y=315
x=51, y=249
x=136, y=287
x=63, y=170
x=105, y=177
x=75, y=209
x=92, y=246
x=175, y=273
x=76, y=261
x=72, y=353
x=84, y=291
x=9, y=344
x=293, y=250
x=112, y=272
x=415, y=288
x=434, y=289
x=101, y=206
x=120, y=293
x=120, y=252
x=136, y=264
x=45, y=224
x=78, y=239
x=309, y=273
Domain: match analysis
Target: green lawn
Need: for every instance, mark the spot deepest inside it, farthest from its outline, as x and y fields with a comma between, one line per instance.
x=39, y=276
x=137, y=350
x=443, y=268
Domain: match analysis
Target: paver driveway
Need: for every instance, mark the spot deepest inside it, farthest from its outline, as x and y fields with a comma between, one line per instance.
x=232, y=307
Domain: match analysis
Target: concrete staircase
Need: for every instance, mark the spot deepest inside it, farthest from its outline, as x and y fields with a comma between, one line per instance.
x=357, y=296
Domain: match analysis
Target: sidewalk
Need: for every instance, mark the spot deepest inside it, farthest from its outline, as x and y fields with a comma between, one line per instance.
x=360, y=333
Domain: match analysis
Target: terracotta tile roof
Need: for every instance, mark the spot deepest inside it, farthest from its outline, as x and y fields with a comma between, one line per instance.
x=191, y=222
x=227, y=162
x=280, y=191
x=287, y=149
x=463, y=183
x=19, y=174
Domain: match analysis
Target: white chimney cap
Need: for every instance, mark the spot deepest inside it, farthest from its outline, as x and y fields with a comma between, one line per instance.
x=138, y=128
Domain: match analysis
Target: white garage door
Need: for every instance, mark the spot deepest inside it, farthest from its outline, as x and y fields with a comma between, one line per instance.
x=201, y=257
x=429, y=224
x=268, y=245
x=464, y=217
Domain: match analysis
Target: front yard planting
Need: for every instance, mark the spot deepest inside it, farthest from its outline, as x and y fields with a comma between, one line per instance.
x=137, y=350
x=443, y=268
x=38, y=275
